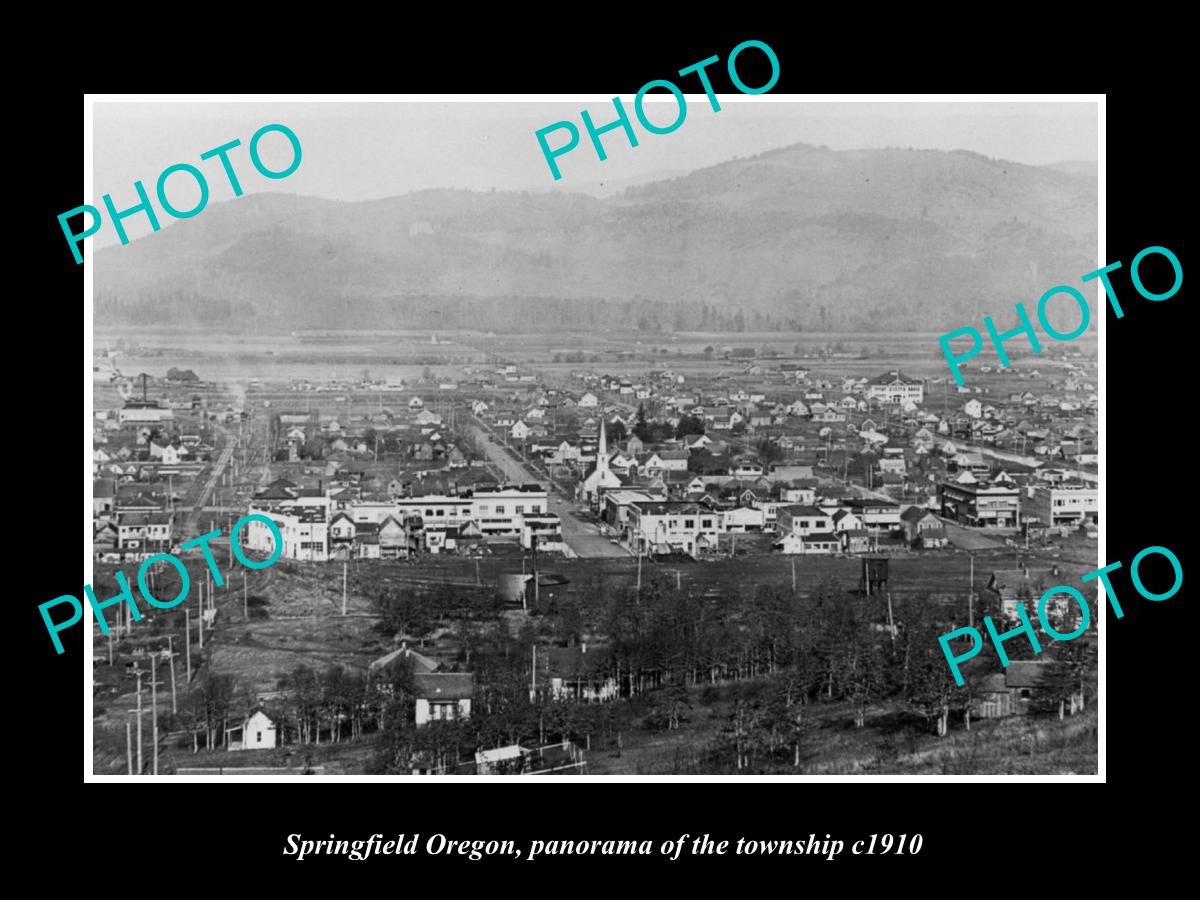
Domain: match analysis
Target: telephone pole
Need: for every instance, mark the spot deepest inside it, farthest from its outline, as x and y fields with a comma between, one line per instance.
x=345, y=568
x=971, y=594
x=246, y=601
x=128, y=749
x=533, y=677
x=171, y=654
x=139, y=711
x=187, y=641
x=154, y=706
x=891, y=622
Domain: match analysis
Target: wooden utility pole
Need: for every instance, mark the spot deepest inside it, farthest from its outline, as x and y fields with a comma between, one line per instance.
x=891, y=621
x=110, y=647
x=154, y=707
x=246, y=600
x=971, y=595
x=537, y=589
x=793, y=577
x=128, y=748
x=200, y=622
x=139, y=720
x=345, y=566
x=533, y=677
x=187, y=641
x=171, y=654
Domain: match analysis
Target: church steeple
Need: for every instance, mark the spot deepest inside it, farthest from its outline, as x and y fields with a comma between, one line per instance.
x=602, y=451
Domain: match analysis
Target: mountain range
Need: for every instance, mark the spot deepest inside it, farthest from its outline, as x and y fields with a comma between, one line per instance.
x=798, y=237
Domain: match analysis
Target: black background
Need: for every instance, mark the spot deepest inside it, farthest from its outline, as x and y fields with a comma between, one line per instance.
x=972, y=831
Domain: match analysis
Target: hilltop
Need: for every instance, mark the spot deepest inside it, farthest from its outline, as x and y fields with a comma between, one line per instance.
x=800, y=236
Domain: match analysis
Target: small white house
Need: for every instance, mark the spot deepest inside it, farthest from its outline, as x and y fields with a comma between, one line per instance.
x=443, y=696
x=258, y=732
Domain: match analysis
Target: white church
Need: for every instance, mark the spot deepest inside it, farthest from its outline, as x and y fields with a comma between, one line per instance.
x=599, y=476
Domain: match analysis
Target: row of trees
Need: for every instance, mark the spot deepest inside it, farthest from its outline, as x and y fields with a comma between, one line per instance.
x=665, y=647
x=310, y=707
x=832, y=645
x=656, y=432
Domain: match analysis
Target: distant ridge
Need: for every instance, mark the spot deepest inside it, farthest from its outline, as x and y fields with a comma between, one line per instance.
x=1076, y=167
x=798, y=237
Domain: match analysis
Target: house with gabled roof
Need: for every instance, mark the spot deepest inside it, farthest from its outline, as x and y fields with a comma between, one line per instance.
x=923, y=529
x=257, y=731
x=572, y=673
x=443, y=696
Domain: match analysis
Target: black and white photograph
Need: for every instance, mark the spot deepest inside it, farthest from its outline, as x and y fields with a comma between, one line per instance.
x=443, y=437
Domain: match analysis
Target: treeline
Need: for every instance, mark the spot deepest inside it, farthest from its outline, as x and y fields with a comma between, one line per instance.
x=309, y=707
x=766, y=659
x=501, y=314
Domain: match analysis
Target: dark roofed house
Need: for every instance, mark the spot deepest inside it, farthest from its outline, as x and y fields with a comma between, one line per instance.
x=923, y=529
x=572, y=673
x=277, y=491
x=1026, y=586
x=855, y=540
x=104, y=493
x=1012, y=691
x=443, y=696
x=440, y=696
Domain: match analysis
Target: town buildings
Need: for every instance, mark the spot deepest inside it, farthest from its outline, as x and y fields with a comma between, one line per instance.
x=318, y=525
x=894, y=387
x=979, y=503
x=1064, y=504
x=664, y=527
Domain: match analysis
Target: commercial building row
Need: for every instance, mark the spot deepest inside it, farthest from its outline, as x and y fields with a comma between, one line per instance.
x=318, y=526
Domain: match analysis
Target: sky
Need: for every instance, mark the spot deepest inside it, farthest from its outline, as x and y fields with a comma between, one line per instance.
x=370, y=150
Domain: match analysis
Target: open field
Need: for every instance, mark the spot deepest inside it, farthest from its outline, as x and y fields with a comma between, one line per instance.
x=216, y=355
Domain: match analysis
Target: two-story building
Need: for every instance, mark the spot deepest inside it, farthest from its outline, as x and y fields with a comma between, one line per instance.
x=1064, y=504
x=803, y=521
x=979, y=504
x=895, y=387
x=673, y=526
